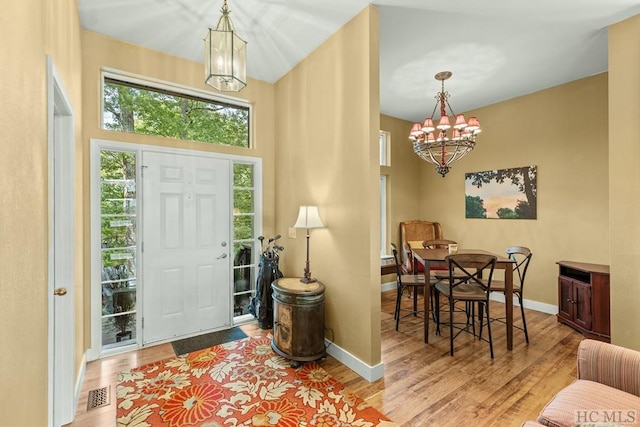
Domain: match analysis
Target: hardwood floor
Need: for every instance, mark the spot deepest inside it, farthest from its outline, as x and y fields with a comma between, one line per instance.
x=422, y=385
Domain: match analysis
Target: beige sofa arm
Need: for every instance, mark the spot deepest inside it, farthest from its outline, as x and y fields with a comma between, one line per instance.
x=609, y=364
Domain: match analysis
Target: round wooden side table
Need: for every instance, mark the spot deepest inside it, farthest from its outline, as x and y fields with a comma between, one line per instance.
x=298, y=320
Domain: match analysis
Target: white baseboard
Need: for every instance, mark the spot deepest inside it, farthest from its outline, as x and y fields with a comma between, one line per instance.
x=388, y=286
x=79, y=382
x=530, y=304
x=369, y=373
x=495, y=296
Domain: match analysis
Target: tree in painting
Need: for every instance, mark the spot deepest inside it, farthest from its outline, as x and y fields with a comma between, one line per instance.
x=522, y=180
x=474, y=208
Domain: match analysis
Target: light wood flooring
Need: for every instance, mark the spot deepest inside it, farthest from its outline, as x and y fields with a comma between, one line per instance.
x=422, y=384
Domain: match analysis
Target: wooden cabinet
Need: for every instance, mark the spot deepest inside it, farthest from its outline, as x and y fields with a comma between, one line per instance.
x=583, y=298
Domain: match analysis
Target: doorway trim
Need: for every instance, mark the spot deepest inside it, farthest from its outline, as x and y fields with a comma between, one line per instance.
x=62, y=392
x=96, y=145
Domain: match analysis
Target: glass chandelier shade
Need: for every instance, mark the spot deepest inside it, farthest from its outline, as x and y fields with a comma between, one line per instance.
x=225, y=56
x=443, y=144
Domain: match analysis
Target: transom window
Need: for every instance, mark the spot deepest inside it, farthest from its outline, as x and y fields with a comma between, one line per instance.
x=140, y=108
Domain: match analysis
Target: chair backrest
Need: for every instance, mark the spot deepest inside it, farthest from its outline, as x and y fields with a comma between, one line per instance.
x=412, y=234
x=474, y=269
x=522, y=256
x=438, y=243
x=398, y=268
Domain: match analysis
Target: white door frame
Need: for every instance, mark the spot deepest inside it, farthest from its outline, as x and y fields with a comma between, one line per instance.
x=96, y=145
x=62, y=397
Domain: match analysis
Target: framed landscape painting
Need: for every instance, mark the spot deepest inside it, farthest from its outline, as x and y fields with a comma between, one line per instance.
x=502, y=194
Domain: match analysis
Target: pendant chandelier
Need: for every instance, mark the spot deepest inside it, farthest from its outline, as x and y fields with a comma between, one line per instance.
x=443, y=143
x=225, y=56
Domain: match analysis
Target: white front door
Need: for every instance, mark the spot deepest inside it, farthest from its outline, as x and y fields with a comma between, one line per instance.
x=186, y=245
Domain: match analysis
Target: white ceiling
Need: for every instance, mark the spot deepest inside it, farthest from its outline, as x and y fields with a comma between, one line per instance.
x=496, y=49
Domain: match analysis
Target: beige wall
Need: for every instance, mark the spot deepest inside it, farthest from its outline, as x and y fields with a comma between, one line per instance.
x=624, y=176
x=100, y=51
x=327, y=154
x=30, y=30
x=562, y=131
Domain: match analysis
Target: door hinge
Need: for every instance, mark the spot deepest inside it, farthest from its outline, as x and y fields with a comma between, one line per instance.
x=142, y=168
x=142, y=323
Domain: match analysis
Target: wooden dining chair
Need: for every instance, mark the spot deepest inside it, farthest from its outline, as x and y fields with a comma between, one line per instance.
x=406, y=282
x=521, y=257
x=437, y=273
x=469, y=280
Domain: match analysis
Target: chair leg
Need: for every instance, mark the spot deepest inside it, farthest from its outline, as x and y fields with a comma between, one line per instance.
x=489, y=330
x=471, y=316
x=432, y=294
x=437, y=295
x=451, y=325
x=398, y=305
x=524, y=321
x=415, y=302
x=480, y=318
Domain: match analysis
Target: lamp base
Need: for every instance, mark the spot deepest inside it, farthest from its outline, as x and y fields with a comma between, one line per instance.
x=308, y=280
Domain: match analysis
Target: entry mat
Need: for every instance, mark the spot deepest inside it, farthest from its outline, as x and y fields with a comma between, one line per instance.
x=200, y=342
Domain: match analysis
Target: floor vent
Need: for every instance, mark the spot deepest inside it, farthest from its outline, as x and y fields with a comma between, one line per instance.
x=98, y=398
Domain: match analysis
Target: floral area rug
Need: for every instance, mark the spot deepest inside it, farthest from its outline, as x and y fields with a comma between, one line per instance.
x=240, y=383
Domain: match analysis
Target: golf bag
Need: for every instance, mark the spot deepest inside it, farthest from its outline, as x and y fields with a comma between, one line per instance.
x=262, y=304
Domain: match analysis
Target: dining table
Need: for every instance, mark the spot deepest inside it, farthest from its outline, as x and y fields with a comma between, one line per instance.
x=435, y=258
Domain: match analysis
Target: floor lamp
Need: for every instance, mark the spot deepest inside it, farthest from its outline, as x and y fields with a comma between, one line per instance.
x=308, y=217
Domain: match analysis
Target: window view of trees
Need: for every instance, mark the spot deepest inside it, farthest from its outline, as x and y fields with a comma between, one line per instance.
x=138, y=109
x=243, y=237
x=118, y=242
x=504, y=193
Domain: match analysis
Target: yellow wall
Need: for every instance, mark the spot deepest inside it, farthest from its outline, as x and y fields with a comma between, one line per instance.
x=624, y=176
x=562, y=131
x=100, y=51
x=327, y=155
x=30, y=30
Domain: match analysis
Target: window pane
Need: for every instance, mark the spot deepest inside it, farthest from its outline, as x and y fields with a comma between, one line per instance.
x=242, y=175
x=384, y=148
x=243, y=227
x=243, y=201
x=135, y=108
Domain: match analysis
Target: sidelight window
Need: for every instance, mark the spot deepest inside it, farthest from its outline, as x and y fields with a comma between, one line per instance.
x=119, y=236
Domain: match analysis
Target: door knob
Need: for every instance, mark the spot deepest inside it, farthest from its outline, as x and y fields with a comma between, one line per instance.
x=60, y=292
x=223, y=256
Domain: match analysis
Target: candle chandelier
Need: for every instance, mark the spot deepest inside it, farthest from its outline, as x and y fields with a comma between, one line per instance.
x=225, y=56
x=443, y=144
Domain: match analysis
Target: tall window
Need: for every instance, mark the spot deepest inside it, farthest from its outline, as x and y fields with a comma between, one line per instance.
x=383, y=215
x=385, y=158
x=119, y=238
x=141, y=108
x=244, y=237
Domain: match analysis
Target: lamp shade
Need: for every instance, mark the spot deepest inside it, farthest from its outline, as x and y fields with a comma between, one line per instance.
x=308, y=217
